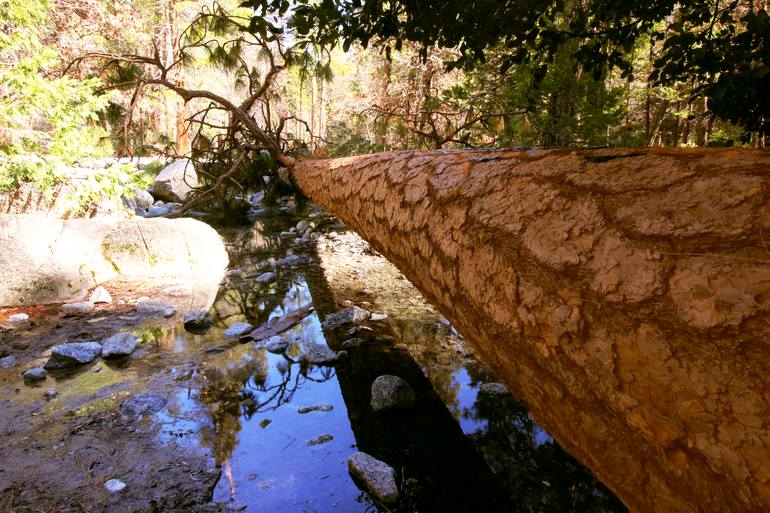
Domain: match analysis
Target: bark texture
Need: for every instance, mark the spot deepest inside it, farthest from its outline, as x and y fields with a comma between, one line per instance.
x=624, y=294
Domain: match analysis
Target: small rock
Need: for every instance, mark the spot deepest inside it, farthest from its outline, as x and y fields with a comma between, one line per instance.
x=350, y=315
x=17, y=319
x=238, y=329
x=50, y=394
x=72, y=354
x=114, y=485
x=352, y=342
x=378, y=477
x=303, y=225
x=122, y=344
x=235, y=273
x=494, y=389
x=391, y=393
x=197, y=320
x=315, y=407
x=320, y=439
x=155, y=308
x=319, y=354
x=77, y=308
x=142, y=404
x=36, y=374
x=7, y=362
x=265, y=277
x=277, y=345
x=379, y=316
x=100, y=295
x=143, y=198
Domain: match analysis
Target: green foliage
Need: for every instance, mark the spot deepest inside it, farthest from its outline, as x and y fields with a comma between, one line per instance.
x=346, y=140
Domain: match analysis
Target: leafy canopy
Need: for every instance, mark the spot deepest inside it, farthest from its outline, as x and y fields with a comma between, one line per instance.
x=724, y=46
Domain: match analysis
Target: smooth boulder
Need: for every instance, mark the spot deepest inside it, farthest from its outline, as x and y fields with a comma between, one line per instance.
x=175, y=182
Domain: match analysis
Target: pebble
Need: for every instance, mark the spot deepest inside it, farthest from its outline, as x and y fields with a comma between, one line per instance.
x=238, y=329
x=320, y=439
x=315, y=407
x=100, y=295
x=77, y=308
x=36, y=374
x=114, y=485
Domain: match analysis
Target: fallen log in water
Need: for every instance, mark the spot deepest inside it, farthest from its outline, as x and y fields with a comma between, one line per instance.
x=624, y=294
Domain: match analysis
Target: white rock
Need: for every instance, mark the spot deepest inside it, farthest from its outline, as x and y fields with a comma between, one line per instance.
x=100, y=295
x=114, y=485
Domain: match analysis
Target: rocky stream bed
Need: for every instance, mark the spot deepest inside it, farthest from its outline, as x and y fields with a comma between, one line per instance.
x=319, y=380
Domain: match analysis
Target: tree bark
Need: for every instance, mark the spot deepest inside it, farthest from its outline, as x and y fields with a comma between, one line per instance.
x=623, y=294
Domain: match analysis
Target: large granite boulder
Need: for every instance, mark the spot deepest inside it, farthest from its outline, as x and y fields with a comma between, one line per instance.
x=45, y=260
x=175, y=181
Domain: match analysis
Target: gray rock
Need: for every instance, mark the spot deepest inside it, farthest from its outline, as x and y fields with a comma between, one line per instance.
x=143, y=199
x=7, y=362
x=379, y=316
x=391, y=393
x=72, y=354
x=197, y=320
x=114, y=485
x=303, y=225
x=100, y=295
x=155, y=308
x=378, y=477
x=122, y=344
x=290, y=261
x=238, y=329
x=320, y=439
x=494, y=389
x=142, y=404
x=175, y=182
x=350, y=315
x=319, y=354
x=315, y=407
x=35, y=374
x=235, y=273
x=265, y=277
x=277, y=345
x=50, y=394
x=77, y=308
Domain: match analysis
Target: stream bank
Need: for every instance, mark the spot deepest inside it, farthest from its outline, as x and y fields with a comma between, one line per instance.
x=246, y=429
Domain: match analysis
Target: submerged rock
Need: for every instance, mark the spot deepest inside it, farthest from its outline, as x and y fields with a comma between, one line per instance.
x=238, y=329
x=320, y=439
x=350, y=315
x=155, y=308
x=391, y=393
x=319, y=354
x=277, y=345
x=142, y=404
x=315, y=407
x=197, y=320
x=100, y=295
x=80, y=308
x=494, y=389
x=378, y=477
x=122, y=344
x=72, y=354
x=36, y=374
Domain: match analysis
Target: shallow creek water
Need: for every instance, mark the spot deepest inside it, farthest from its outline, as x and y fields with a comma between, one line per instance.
x=463, y=447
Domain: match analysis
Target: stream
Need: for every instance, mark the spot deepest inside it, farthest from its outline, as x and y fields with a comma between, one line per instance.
x=235, y=435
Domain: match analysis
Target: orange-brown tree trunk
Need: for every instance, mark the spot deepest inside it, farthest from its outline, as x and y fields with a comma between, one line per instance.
x=624, y=294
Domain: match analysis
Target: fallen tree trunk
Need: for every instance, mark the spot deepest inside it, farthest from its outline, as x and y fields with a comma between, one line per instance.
x=623, y=294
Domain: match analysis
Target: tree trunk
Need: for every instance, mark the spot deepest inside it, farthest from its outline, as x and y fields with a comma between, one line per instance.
x=623, y=294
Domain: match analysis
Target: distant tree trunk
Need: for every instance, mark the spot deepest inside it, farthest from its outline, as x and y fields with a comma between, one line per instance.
x=623, y=294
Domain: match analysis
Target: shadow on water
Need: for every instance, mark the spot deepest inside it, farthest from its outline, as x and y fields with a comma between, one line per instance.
x=461, y=448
